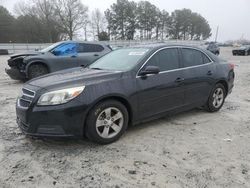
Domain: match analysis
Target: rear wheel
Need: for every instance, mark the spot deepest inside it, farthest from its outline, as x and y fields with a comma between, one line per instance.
x=216, y=98
x=37, y=70
x=106, y=122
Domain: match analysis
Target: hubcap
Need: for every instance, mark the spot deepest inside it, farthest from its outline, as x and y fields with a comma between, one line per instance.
x=109, y=122
x=218, y=97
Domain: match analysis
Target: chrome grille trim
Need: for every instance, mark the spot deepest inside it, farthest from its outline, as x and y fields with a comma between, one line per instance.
x=27, y=96
x=28, y=92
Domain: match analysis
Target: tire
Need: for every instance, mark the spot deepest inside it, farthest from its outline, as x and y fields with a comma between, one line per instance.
x=37, y=70
x=100, y=125
x=216, y=98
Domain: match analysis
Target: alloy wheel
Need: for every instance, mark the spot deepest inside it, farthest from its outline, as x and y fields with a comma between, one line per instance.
x=109, y=122
x=218, y=97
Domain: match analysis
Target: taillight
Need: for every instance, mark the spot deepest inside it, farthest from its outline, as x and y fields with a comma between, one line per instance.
x=231, y=66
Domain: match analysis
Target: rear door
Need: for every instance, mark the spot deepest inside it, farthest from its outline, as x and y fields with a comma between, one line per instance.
x=161, y=92
x=88, y=53
x=198, y=70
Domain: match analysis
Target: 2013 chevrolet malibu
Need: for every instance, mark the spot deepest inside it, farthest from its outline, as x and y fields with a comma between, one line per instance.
x=125, y=87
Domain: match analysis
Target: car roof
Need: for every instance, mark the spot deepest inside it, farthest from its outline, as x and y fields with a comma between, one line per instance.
x=84, y=42
x=155, y=46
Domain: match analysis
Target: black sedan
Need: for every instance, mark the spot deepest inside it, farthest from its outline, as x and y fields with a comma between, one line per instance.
x=244, y=50
x=125, y=87
x=59, y=56
x=214, y=48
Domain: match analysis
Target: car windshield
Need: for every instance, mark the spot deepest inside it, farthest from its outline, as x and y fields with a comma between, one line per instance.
x=47, y=49
x=120, y=60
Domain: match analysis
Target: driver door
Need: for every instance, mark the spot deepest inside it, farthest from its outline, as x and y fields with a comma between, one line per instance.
x=161, y=92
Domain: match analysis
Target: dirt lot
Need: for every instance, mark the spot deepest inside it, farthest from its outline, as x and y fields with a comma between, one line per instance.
x=192, y=149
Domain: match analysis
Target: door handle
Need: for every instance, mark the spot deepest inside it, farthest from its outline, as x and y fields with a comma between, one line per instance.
x=179, y=80
x=209, y=73
x=96, y=55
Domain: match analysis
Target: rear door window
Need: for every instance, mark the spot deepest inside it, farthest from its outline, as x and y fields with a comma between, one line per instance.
x=88, y=48
x=166, y=59
x=205, y=59
x=192, y=57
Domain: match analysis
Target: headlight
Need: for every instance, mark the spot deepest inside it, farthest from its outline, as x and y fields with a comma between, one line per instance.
x=59, y=96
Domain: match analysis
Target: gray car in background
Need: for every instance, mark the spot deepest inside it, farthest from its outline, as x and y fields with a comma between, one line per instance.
x=214, y=48
x=59, y=56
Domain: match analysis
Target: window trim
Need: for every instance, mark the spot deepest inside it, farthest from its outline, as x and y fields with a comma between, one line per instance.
x=183, y=68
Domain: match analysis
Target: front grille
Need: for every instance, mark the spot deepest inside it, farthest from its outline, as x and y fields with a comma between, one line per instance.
x=26, y=98
x=28, y=92
x=24, y=103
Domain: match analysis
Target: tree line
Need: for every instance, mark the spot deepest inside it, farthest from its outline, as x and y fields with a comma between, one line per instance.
x=54, y=20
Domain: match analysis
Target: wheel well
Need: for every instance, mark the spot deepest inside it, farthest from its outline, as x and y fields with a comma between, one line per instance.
x=224, y=83
x=121, y=100
x=124, y=102
x=38, y=63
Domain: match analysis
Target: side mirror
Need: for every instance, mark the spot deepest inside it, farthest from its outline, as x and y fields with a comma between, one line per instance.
x=150, y=70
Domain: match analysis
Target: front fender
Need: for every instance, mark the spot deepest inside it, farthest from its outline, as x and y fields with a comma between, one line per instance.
x=121, y=98
x=34, y=61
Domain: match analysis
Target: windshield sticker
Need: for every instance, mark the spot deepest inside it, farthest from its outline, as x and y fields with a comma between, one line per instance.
x=137, y=53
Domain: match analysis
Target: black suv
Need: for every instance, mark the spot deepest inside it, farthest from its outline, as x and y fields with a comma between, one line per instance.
x=59, y=56
x=125, y=87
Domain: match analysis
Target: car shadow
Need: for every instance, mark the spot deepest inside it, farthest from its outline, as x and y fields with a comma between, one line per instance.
x=132, y=130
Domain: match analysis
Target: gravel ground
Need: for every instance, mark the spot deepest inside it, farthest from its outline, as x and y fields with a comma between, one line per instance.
x=191, y=149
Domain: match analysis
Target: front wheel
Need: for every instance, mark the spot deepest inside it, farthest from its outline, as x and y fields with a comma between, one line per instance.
x=216, y=98
x=37, y=70
x=106, y=122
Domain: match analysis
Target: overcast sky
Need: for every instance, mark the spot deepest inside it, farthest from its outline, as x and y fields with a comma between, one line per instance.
x=232, y=16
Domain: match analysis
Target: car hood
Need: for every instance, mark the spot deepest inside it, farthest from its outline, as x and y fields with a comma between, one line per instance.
x=24, y=54
x=74, y=76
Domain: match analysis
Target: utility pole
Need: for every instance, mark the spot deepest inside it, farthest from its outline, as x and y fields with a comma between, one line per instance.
x=217, y=31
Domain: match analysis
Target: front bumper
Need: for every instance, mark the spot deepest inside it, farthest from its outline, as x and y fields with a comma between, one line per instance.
x=15, y=74
x=52, y=121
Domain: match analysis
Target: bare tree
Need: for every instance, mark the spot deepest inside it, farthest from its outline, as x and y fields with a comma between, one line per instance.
x=98, y=22
x=85, y=29
x=23, y=8
x=71, y=16
x=45, y=10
